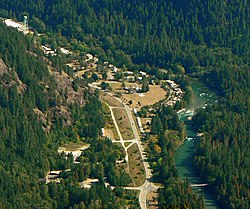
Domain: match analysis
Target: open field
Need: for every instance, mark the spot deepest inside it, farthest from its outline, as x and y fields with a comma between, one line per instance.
x=109, y=129
x=116, y=86
x=74, y=146
x=155, y=94
x=110, y=100
x=109, y=132
x=123, y=123
x=136, y=169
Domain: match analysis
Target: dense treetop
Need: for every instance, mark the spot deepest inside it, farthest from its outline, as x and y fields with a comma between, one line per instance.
x=159, y=33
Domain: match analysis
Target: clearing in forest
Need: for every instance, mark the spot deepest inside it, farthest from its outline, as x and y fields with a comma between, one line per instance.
x=155, y=94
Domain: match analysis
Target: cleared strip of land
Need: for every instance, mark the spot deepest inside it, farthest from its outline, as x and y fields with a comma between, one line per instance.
x=110, y=129
x=110, y=100
x=123, y=123
x=136, y=168
x=155, y=94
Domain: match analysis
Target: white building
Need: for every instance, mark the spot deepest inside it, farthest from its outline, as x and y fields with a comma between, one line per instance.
x=14, y=24
x=48, y=51
x=143, y=73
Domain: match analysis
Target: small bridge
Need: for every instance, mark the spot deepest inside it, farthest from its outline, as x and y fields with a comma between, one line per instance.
x=198, y=185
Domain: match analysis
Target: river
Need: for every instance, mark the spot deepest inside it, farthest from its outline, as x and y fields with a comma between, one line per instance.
x=184, y=155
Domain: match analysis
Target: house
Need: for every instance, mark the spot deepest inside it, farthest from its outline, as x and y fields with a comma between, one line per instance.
x=95, y=60
x=89, y=57
x=148, y=121
x=137, y=89
x=87, y=184
x=53, y=176
x=130, y=78
x=64, y=51
x=103, y=132
x=128, y=73
x=47, y=51
x=139, y=122
x=143, y=73
x=14, y=24
x=114, y=69
x=129, y=90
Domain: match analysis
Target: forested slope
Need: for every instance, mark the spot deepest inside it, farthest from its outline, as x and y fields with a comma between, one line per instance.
x=28, y=152
x=222, y=156
x=159, y=33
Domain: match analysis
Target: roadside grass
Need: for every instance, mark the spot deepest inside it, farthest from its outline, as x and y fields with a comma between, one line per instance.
x=136, y=168
x=110, y=100
x=127, y=144
x=123, y=123
x=73, y=146
x=110, y=129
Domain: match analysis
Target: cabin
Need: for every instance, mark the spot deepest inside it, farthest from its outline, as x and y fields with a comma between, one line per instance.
x=47, y=51
x=143, y=73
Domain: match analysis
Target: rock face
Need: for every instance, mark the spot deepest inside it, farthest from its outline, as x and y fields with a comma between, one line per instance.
x=3, y=68
x=65, y=93
x=9, y=77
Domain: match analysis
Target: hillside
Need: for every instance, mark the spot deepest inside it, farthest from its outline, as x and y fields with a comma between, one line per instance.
x=158, y=33
x=35, y=121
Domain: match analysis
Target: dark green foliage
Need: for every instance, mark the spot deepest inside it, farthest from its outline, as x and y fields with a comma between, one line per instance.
x=156, y=125
x=105, y=86
x=175, y=193
x=159, y=33
x=27, y=153
x=223, y=152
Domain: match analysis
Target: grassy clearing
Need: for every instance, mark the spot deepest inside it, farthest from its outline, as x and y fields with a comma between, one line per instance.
x=74, y=146
x=155, y=94
x=110, y=129
x=136, y=168
x=123, y=123
x=110, y=100
x=127, y=144
x=116, y=87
